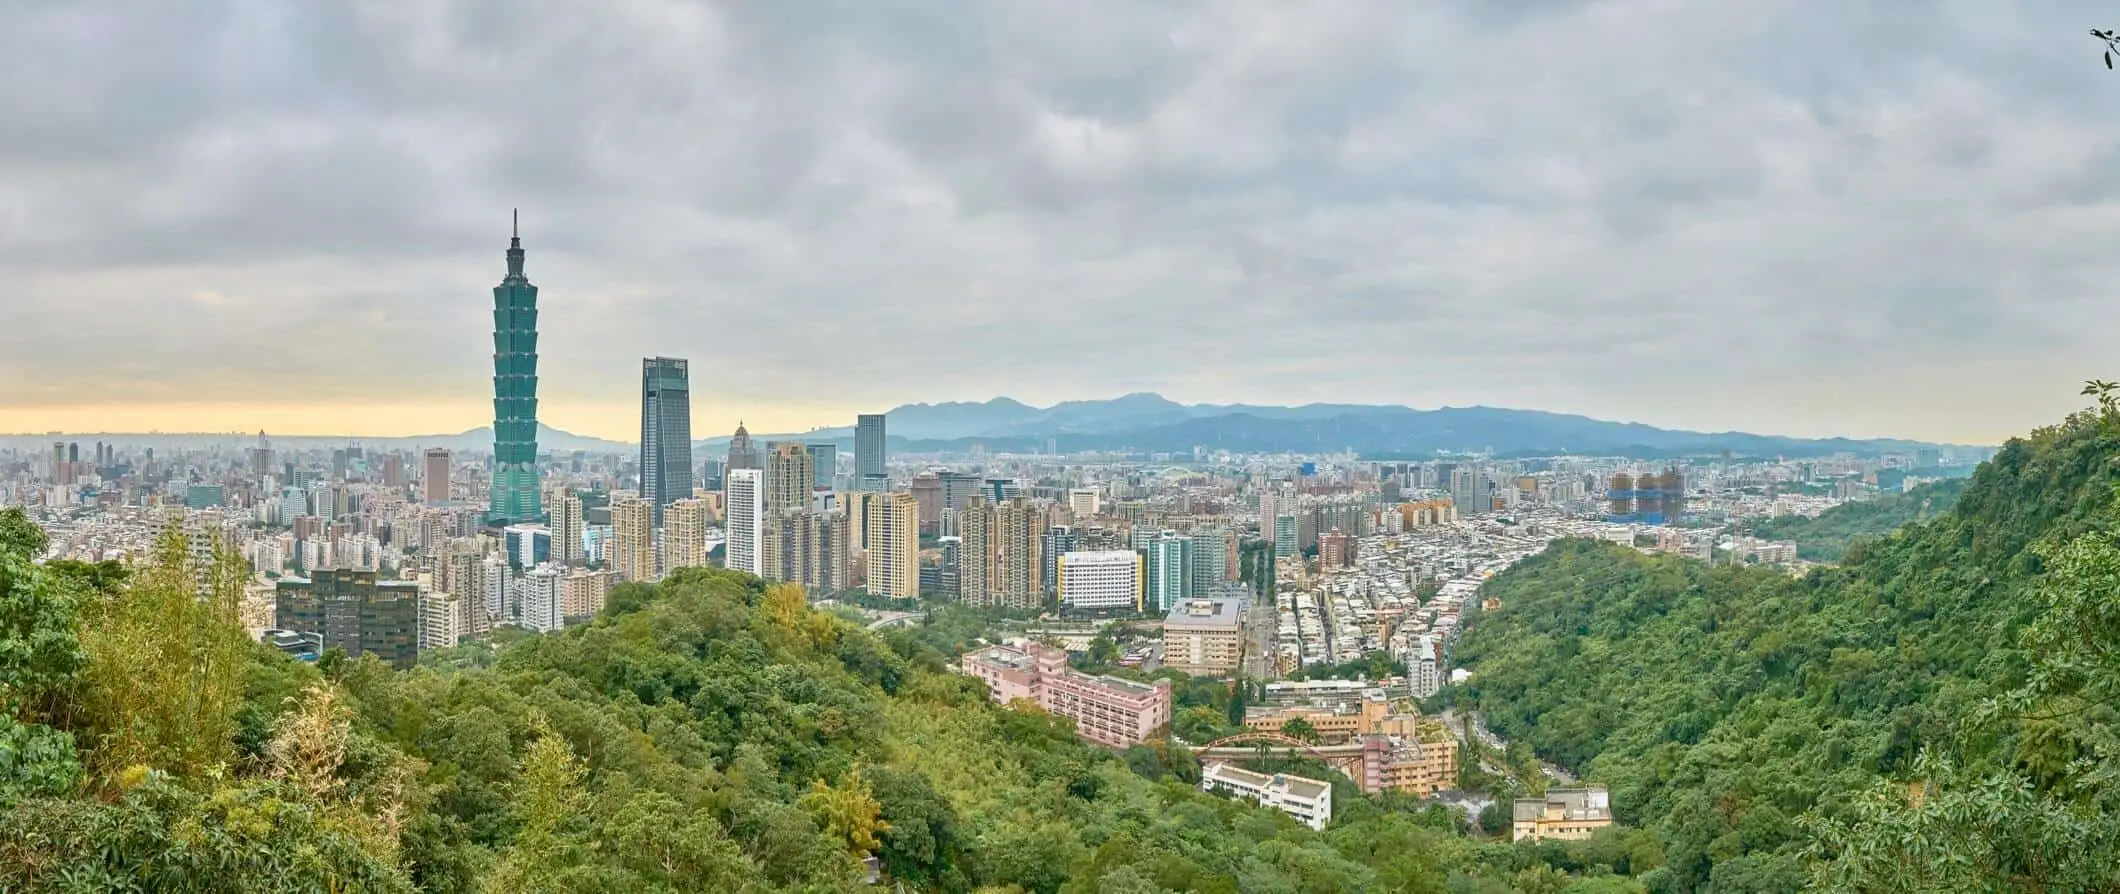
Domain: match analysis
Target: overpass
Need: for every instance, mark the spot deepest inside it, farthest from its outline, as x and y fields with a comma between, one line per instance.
x=1347, y=758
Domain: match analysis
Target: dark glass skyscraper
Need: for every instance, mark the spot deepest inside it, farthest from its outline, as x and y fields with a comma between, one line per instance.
x=868, y=449
x=514, y=496
x=665, y=433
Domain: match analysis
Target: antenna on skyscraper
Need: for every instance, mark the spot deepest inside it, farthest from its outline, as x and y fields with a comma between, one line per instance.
x=515, y=223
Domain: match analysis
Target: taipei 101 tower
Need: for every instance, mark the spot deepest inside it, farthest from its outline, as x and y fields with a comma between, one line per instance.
x=515, y=488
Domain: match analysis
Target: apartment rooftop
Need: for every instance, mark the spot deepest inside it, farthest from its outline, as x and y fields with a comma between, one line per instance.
x=1589, y=803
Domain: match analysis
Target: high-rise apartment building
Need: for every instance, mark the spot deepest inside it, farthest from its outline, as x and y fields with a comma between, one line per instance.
x=665, y=433
x=975, y=552
x=1170, y=570
x=434, y=476
x=1211, y=550
x=633, y=540
x=869, y=447
x=893, y=529
x=809, y=548
x=353, y=610
x=567, y=530
x=1018, y=527
x=685, y=534
x=513, y=494
x=927, y=491
x=582, y=592
x=790, y=476
x=743, y=499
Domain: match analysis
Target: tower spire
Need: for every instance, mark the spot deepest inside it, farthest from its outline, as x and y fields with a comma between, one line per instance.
x=515, y=243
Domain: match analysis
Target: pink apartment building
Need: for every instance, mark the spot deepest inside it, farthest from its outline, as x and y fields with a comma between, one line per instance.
x=1107, y=710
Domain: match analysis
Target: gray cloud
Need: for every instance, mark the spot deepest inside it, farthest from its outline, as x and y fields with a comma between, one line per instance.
x=1773, y=214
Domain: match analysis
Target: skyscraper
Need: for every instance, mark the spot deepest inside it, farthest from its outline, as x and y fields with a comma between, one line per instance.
x=868, y=447
x=743, y=499
x=514, y=494
x=742, y=454
x=665, y=433
x=1170, y=570
x=434, y=476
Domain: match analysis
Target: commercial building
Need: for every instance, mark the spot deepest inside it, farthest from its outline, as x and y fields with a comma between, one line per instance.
x=1308, y=800
x=824, y=457
x=1057, y=541
x=665, y=433
x=1082, y=503
x=742, y=453
x=893, y=530
x=632, y=547
x=685, y=534
x=527, y=546
x=1107, y=710
x=1101, y=579
x=1204, y=637
x=869, y=447
x=1284, y=537
x=1213, y=559
x=353, y=610
x=1564, y=814
x=513, y=493
x=743, y=497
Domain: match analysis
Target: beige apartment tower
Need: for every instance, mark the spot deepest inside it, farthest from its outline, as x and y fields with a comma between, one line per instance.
x=685, y=534
x=567, y=529
x=632, y=548
x=975, y=552
x=790, y=475
x=893, y=528
x=1018, y=573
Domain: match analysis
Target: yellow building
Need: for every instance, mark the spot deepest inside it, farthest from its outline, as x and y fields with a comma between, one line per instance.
x=685, y=534
x=893, y=529
x=632, y=548
x=1564, y=814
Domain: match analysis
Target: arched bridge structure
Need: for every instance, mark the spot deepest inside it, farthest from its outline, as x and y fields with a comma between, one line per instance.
x=1346, y=758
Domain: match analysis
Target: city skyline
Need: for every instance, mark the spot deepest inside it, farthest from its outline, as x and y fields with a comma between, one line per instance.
x=1374, y=203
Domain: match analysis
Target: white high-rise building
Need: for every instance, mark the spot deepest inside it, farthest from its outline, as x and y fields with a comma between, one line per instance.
x=443, y=620
x=1101, y=579
x=1424, y=672
x=743, y=495
x=542, y=606
x=1082, y=501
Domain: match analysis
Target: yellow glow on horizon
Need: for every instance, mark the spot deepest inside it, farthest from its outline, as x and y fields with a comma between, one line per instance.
x=618, y=422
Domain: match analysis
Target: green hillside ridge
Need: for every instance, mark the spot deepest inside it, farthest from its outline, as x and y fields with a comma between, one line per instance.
x=1827, y=537
x=1767, y=727
x=708, y=733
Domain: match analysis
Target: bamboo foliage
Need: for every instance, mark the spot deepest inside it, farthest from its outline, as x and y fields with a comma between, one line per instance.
x=166, y=658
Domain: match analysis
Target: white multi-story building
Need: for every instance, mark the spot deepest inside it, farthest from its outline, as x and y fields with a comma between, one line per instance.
x=1425, y=670
x=444, y=620
x=1101, y=579
x=1082, y=502
x=543, y=609
x=1308, y=800
x=743, y=494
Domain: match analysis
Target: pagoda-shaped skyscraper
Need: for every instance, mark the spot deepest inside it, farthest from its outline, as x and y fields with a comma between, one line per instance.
x=514, y=496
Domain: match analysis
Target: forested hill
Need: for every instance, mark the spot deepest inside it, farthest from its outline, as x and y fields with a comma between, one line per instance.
x=1827, y=537
x=1722, y=704
x=710, y=733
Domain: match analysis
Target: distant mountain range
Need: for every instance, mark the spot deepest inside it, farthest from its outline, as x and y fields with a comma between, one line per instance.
x=1150, y=423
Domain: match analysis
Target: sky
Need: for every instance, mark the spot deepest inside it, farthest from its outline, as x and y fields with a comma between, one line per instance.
x=1781, y=216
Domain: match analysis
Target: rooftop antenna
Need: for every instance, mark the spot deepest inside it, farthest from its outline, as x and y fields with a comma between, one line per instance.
x=515, y=223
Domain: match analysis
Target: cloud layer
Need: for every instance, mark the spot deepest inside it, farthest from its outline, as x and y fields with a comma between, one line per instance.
x=1773, y=215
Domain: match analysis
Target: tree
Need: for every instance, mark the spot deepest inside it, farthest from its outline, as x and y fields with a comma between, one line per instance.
x=1298, y=728
x=548, y=800
x=19, y=535
x=849, y=812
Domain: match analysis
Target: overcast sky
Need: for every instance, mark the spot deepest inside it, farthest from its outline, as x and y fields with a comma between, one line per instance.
x=1788, y=216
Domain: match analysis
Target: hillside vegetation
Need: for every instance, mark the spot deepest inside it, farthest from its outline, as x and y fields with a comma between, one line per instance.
x=1827, y=537
x=709, y=733
x=1899, y=722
